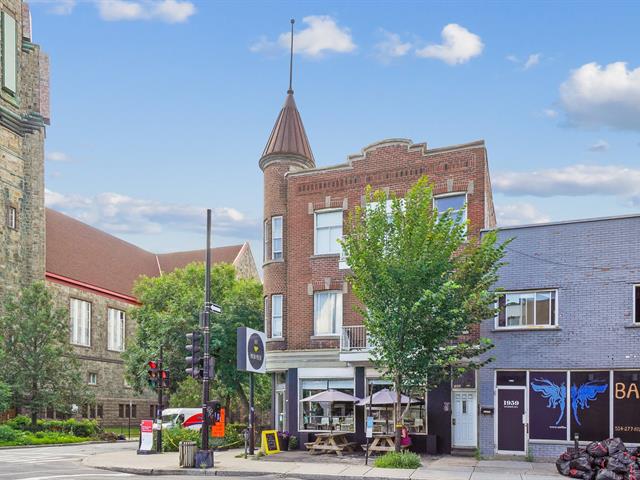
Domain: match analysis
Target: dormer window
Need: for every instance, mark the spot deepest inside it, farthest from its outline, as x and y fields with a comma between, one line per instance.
x=9, y=53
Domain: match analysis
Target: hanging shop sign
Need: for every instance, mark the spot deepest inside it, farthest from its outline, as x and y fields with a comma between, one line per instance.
x=626, y=405
x=251, y=352
x=548, y=405
x=590, y=405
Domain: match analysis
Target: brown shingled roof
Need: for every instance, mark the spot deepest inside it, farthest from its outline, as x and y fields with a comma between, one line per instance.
x=79, y=252
x=288, y=135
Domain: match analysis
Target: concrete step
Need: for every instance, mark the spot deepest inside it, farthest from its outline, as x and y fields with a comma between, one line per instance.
x=463, y=452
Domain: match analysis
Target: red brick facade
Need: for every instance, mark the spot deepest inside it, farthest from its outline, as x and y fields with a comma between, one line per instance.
x=296, y=192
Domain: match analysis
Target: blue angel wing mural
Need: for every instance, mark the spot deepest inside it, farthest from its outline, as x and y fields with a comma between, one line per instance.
x=585, y=393
x=557, y=394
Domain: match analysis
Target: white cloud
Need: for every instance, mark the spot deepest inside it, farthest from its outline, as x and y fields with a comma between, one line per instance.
x=459, y=45
x=532, y=60
x=599, y=146
x=390, y=47
x=573, y=180
x=596, y=96
x=57, y=157
x=169, y=11
x=116, y=213
x=550, y=113
x=62, y=7
x=519, y=214
x=513, y=59
x=321, y=35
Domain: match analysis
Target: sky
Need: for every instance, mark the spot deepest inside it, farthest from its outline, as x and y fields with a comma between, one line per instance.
x=160, y=109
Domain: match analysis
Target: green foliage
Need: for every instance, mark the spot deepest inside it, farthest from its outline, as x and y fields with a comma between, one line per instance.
x=293, y=442
x=233, y=433
x=78, y=428
x=187, y=395
x=5, y=396
x=170, y=308
x=20, y=422
x=8, y=434
x=171, y=438
x=38, y=362
x=398, y=460
x=49, y=433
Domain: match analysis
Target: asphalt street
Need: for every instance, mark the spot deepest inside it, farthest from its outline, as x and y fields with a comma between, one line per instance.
x=59, y=463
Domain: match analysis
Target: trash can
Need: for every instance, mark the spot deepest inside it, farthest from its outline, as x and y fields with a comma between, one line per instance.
x=187, y=454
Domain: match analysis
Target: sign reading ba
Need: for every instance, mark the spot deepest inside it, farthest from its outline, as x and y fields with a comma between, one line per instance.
x=251, y=350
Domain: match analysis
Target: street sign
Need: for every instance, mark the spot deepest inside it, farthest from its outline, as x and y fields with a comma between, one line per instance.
x=369, y=427
x=251, y=350
x=213, y=308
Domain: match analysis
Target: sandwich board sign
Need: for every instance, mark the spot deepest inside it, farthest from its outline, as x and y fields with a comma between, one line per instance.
x=270, y=443
x=146, y=436
x=251, y=350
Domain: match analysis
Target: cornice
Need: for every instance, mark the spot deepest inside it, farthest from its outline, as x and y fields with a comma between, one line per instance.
x=21, y=124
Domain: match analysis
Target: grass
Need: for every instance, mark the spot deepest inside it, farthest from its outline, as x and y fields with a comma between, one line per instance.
x=119, y=430
x=398, y=460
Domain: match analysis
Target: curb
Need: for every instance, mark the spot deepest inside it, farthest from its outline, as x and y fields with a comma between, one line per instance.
x=93, y=442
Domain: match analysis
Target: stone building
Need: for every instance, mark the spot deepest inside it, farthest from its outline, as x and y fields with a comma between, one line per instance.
x=566, y=355
x=24, y=114
x=316, y=340
x=92, y=274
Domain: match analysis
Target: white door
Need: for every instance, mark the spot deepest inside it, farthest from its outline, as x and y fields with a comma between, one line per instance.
x=464, y=419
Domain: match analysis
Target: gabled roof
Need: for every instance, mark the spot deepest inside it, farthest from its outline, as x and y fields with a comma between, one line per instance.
x=81, y=253
x=288, y=136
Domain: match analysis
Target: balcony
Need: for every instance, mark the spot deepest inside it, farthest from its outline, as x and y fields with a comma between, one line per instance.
x=354, y=344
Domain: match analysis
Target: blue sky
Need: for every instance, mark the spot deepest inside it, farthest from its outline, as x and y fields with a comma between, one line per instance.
x=162, y=108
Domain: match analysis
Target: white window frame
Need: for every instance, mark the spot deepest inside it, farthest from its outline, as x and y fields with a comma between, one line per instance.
x=275, y=252
x=556, y=323
x=265, y=248
x=118, y=323
x=315, y=231
x=454, y=213
x=330, y=376
x=93, y=378
x=339, y=313
x=76, y=332
x=12, y=218
x=9, y=43
x=636, y=287
x=274, y=317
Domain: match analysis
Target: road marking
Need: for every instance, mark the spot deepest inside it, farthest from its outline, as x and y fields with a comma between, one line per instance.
x=85, y=475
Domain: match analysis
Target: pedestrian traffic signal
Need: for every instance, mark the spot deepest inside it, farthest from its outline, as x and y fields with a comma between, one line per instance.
x=153, y=374
x=164, y=379
x=194, y=360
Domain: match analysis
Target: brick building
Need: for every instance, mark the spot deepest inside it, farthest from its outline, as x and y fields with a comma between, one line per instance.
x=567, y=357
x=315, y=339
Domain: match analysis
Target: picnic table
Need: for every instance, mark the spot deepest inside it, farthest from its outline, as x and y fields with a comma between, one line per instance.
x=331, y=442
x=383, y=443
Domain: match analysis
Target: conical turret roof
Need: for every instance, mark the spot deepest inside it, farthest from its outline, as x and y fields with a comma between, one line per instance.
x=288, y=136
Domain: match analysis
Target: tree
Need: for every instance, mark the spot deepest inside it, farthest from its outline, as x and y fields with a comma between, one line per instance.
x=39, y=364
x=170, y=308
x=188, y=394
x=423, y=285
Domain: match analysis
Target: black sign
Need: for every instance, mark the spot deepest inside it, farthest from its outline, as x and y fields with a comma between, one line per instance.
x=510, y=424
x=548, y=405
x=255, y=351
x=590, y=405
x=626, y=405
x=272, y=442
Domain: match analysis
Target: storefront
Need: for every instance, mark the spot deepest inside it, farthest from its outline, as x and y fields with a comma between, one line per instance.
x=556, y=406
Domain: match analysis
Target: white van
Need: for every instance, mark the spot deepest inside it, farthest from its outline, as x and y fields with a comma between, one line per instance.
x=182, y=417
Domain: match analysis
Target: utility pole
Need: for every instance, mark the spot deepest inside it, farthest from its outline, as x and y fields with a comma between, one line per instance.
x=252, y=417
x=159, y=414
x=208, y=460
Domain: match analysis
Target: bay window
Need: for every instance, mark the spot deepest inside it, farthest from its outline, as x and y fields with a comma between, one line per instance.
x=327, y=312
x=276, y=238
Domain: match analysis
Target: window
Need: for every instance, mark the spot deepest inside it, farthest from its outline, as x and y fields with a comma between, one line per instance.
x=93, y=378
x=327, y=307
x=100, y=411
x=416, y=416
x=12, y=218
x=276, y=316
x=115, y=330
x=328, y=232
x=126, y=410
x=265, y=247
x=152, y=411
x=636, y=303
x=266, y=312
x=456, y=203
x=336, y=416
x=9, y=51
x=527, y=309
x=80, y=322
x=276, y=238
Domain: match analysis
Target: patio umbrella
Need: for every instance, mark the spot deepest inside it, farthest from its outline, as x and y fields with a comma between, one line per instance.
x=330, y=396
x=386, y=397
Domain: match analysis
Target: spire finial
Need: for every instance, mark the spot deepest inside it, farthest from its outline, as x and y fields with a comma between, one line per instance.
x=291, y=60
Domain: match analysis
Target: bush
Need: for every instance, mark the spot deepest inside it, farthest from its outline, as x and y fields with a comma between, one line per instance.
x=19, y=422
x=81, y=428
x=233, y=433
x=171, y=438
x=8, y=434
x=293, y=442
x=398, y=460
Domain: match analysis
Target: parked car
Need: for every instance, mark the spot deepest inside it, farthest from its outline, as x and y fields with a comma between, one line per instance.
x=182, y=417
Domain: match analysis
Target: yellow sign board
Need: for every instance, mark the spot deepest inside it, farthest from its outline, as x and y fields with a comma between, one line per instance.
x=270, y=443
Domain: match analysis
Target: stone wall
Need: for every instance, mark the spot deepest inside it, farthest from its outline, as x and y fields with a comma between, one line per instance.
x=245, y=264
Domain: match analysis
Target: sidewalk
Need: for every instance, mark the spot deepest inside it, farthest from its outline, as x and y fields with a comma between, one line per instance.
x=331, y=468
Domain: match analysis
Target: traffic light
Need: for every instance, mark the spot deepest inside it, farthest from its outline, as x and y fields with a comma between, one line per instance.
x=194, y=361
x=153, y=374
x=164, y=379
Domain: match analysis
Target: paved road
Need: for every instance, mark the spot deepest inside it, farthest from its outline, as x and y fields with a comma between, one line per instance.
x=59, y=463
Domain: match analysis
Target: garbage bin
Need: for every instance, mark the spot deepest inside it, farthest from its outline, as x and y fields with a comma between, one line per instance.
x=187, y=454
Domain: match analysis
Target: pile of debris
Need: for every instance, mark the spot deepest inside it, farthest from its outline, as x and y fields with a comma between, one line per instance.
x=606, y=460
